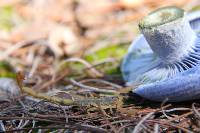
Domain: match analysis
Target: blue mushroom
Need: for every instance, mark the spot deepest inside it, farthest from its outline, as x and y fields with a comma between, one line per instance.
x=164, y=61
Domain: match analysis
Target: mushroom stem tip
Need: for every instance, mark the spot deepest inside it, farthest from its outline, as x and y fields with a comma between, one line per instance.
x=168, y=33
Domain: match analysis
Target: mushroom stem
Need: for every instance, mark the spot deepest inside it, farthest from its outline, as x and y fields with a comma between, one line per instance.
x=168, y=33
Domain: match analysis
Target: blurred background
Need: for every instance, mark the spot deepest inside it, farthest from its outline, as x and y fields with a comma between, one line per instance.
x=56, y=29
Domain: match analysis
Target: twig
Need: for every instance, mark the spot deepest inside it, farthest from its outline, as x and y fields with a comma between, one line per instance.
x=30, y=118
x=156, y=128
x=2, y=127
x=34, y=66
x=93, y=88
x=102, y=81
x=137, y=127
x=25, y=123
x=163, y=111
x=94, y=72
x=116, y=122
x=104, y=115
x=53, y=99
x=172, y=125
x=15, y=47
x=107, y=60
x=195, y=111
x=178, y=109
x=49, y=83
x=54, y=116
x=65, y=114
x=64, y=101
x=125, y=126
x=81, y=127
x=181, y=116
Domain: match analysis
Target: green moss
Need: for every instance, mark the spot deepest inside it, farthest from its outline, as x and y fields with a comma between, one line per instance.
x=196, y=8
x=112, y=51
x=6, y=70
x=74, y=68
x=8, y=18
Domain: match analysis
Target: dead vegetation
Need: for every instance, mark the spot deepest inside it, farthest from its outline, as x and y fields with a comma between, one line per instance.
x=65, y=57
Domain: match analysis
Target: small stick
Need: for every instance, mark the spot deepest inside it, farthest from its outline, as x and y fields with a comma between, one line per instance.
x=195, y=110
x=93, y=71
x=102, y=81
x=171, y=124
x=93, y=88
x=74, y=126
x=82, y=102
x=137, y=127
x=156, y=128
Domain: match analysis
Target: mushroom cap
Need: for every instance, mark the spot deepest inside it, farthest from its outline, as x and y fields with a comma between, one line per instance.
x=141, y=65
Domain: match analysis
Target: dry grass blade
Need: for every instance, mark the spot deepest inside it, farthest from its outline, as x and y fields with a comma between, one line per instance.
x=94, y=89
x=92, y=70
x=74, y=126
x=195, y=111
x=137, y=128
x=2, y=128
x=156, y=128
x=103, y=81
x=15, y=47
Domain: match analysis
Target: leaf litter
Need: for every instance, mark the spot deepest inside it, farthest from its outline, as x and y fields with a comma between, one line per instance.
x=60, y=63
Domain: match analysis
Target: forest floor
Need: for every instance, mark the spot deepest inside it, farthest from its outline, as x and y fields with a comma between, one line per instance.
x=65, y=56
